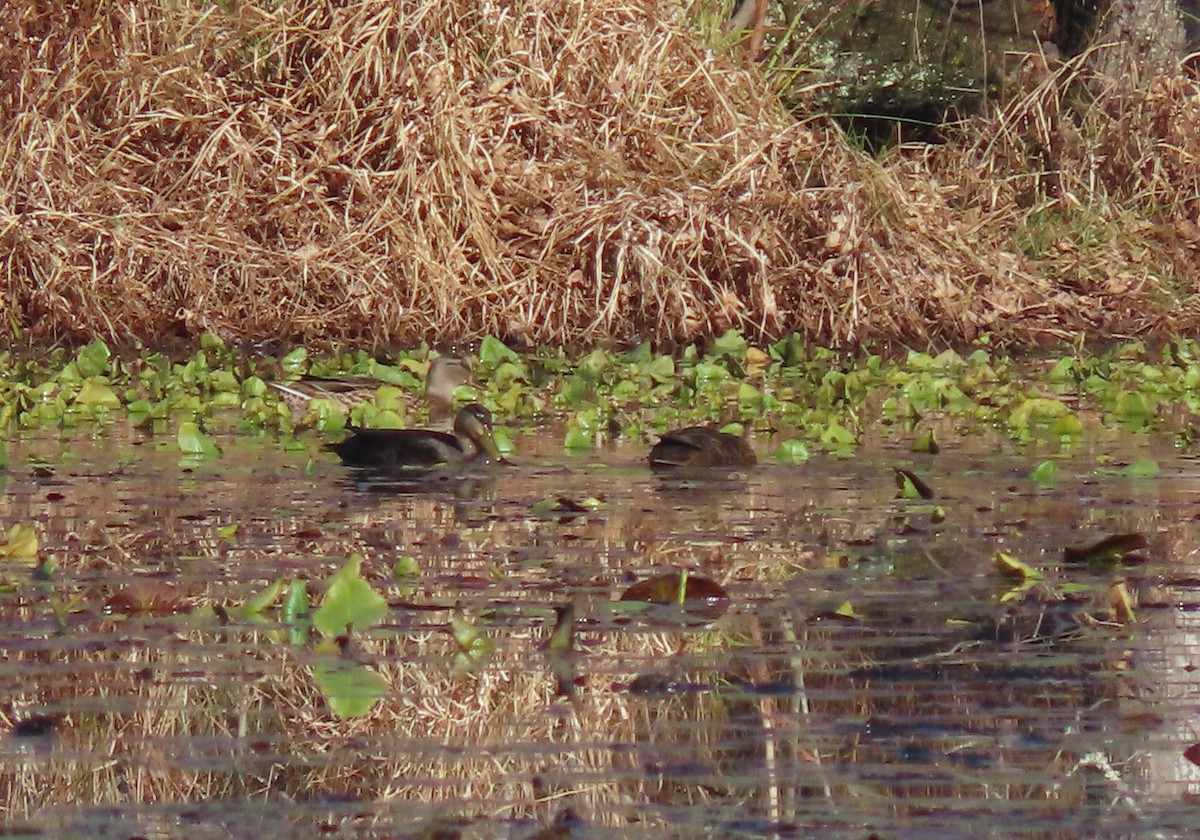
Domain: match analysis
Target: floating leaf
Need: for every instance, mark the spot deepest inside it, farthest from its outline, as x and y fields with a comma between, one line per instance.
x=1010, y=566
x=92, y=359
x=1045, y=472
x=295, y=361
x=792, y=451
x=675, y=588
x=846, y=611
x=406, y=568
x=638, y=355
x=349, y=602
x=1067, y=426
x=473, y=646
x=95, y=392
x=730, y=344
x=926, y=442
x=295, y=605
x=1141, y=468
x=350, y=689
x=835, y=432
x=1037, y=410
x=256, y=604
x=253, y=386
x=493, y=351
x=577, y=438
x=661, y=369
x=22, y=544
x=504, y=441
x=192, y=441
x=911, y=486
x=1192, y=754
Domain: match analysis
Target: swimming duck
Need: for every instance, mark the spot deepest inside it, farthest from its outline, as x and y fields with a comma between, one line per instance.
x=698, y=447
x=422, y=449
x=446, y=373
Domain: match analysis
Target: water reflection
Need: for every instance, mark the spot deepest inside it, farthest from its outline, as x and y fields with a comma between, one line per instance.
x=872, y=670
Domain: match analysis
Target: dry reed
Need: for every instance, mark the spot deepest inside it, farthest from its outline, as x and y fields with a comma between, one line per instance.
x=384, y=173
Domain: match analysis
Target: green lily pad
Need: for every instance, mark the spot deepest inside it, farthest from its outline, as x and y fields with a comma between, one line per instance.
x=192, y=441
x=351, y=690
x=1010, y=566
x=1045, y=472
x=92, y=359
x=349, y=602
x=95, y=392
x=493, y=351
x=792, y=452
x=1142, y=468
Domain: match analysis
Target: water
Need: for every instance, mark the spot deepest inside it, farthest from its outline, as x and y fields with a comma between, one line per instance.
x=140, y=702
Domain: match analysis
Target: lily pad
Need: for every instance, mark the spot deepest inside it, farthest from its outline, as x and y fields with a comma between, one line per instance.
x=350, y=689
x=192, y=441
x=694, y=593
x=349, y=602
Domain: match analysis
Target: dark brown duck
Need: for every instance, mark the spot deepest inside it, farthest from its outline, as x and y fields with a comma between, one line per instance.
x=699, y=447
x=417, y=449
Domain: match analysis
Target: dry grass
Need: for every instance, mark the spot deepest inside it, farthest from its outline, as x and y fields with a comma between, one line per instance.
x=389, y=172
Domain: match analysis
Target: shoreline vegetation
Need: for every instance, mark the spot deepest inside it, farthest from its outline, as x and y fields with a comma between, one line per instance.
x=382, y=175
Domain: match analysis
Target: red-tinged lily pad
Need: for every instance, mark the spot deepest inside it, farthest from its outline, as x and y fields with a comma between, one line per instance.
x=1119, y=547
x=696, y=595
x=1143, y=722
x=1192, y=754
x=146, y=598
x=675, y=588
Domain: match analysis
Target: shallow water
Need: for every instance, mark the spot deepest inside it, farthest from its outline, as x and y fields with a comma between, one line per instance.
x=140, y=702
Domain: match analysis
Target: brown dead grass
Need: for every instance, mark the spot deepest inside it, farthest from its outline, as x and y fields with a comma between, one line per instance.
x=384, y=173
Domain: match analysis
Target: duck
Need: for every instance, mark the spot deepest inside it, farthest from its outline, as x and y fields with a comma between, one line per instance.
x=398, y=450
x=698, y=447
x=446, y=373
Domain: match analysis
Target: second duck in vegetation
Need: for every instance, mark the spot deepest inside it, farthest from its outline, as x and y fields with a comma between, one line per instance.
x=446, y=373
x=398, y=450
x=699, y=447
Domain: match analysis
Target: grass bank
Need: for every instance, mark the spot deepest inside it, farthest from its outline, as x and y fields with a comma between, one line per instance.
x=386, y=174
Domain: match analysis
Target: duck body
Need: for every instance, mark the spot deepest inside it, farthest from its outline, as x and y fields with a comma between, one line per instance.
x=700, y=447
x=398, y=450
x=446, y=373
x=347, y=391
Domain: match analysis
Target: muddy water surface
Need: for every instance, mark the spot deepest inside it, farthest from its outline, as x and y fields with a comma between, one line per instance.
x=870, y=671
